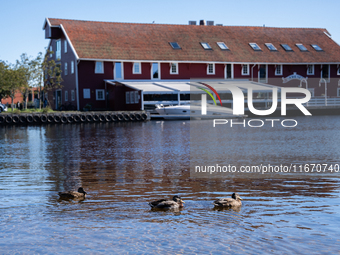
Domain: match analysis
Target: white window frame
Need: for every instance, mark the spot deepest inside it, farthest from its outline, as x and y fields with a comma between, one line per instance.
x=58, y=50
x=271, y=47
x=159, y=71
x=66, y=96
x=99, y=67
x=171, y=68
x=242, y=70
x=97, y=94
x=86, y=93
x=255, y=46
x=137, y=64
x=65, y=68
x=310, y=73
x=208, y=68
x=65, y=46
x=205, y=45
x=73, y=97
x=121, y=69
x=281, y=70
x=72, y=67
x=301, y=47
x=222, y=46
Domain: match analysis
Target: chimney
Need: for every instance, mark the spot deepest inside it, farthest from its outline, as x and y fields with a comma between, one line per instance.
x=210, y=23
x=220, y=25
x=202, y=22
x=192, y=22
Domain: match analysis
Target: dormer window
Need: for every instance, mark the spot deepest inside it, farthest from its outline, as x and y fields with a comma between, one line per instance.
x=301, y=47
x=222, y=46
x=286, y=47
x=255, y=46
x=205, y=46
x=316, y=47
x=175, y=45
x=271, y=47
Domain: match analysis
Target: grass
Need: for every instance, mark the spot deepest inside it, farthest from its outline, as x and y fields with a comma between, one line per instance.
x=30, y=110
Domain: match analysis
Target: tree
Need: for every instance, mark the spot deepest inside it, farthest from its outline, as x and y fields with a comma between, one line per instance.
x=4, y=92
x=51, y=73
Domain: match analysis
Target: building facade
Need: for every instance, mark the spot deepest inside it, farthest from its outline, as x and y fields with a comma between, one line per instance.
x=96, y=58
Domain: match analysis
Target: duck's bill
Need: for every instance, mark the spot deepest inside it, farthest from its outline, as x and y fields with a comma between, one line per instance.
x=240, y=198
x=182, y=202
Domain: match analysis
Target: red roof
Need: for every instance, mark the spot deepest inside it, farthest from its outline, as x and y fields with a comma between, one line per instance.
x=150, y=42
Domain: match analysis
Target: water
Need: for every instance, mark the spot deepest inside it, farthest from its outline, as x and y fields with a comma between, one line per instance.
x=122, y=166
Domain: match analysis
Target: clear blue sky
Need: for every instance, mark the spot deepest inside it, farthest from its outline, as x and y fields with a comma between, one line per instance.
x=22, y=21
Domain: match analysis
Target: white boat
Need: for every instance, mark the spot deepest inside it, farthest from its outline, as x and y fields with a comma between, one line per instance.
x=187, y=111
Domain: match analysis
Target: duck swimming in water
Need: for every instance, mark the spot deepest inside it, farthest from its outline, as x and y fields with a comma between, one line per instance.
x=175, y=203
x=73, y=194
x=234, y=201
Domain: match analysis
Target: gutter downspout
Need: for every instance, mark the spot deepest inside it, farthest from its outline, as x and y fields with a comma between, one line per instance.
x=77, y=85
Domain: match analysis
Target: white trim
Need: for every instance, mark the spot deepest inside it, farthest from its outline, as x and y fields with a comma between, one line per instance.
x=97, y=70
x=313, y=69
x=97, y=97
x=171, y=71
x=204, y=62
x=140, y=68
x=213, y=68
x=121, y=68
x=69, y=42
x=159, y=71
x=281, y=70
x=242, y=73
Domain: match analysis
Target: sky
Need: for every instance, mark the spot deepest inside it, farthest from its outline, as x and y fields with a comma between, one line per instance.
x=22, y=21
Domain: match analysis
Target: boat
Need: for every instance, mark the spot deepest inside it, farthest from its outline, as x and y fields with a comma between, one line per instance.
x=193, y=111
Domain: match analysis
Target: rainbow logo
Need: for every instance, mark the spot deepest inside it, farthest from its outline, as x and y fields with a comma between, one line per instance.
x=213, y=90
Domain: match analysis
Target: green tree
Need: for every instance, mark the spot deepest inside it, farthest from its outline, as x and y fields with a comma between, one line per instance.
x=4, y=92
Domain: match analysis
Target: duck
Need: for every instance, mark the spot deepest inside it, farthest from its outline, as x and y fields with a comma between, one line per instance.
x=175, y=203
x=80, y=194
x=234, y=201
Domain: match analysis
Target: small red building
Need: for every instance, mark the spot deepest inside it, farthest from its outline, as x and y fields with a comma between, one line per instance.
x=98, y=57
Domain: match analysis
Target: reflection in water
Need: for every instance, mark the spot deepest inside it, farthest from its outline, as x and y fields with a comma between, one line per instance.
x=123, y=166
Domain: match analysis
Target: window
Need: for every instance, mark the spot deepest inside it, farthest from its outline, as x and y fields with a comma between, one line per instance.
x=99, y=67
x=228, y=71
x=301, y=47
x=205, y=46
x=87, y=93
x=338, y=94
x=127, y=97
x=65, y=46
x=286, y=47
x=73, y=95
x=255, y=46
x=222, y=46
x=174, y=68
x=310, y=70
x=245, y=70
x=278, y=70
x=66, y=95
x=118, y=72
x=136, y=68
x=58, y=50
x=72, y=66
x=175, y=45
x=100, y=94
x=338, y=72
x=51, y=50
x=270, y=46
x=65, y=71
x=316, y=47
x=155, y=74
x=211, y=68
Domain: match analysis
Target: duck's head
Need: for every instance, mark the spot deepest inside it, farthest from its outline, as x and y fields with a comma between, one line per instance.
x=81, y=190
x=178, y=200
x=236, y=196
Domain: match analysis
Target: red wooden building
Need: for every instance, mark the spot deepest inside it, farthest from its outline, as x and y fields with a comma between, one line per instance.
x=98, y=57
